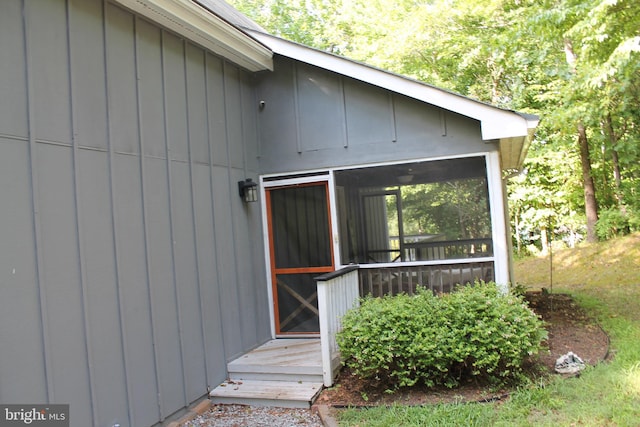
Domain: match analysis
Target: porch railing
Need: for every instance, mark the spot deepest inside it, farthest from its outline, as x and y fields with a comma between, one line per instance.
x=469, y=248
x=337, y=292
x=413, y=248
x=440, y=278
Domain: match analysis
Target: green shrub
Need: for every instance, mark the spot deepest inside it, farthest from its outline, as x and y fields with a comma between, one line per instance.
x=612, y=222
x=475, y=332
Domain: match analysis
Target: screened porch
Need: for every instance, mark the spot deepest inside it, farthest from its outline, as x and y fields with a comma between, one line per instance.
x=421, y=211
x=407, y=225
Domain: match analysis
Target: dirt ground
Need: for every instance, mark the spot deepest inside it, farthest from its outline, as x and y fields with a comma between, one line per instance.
x=569, y=328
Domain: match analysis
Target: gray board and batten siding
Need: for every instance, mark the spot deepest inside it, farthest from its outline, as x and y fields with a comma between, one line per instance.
x=313, y=119
x=128, y=271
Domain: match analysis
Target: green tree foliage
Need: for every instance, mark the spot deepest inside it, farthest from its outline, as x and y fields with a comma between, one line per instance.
x=546, y=201
x=456, y=209
x=310, y=22
x=595, y=89
x=576, y=63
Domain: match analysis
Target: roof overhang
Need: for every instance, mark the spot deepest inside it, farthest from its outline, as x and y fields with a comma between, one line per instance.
x=210, y=31
x=513, y=130
x=513, y=150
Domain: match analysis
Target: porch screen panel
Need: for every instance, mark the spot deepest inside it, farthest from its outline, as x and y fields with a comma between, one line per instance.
x=381, y=228
x=441, y=212
x=301, y=227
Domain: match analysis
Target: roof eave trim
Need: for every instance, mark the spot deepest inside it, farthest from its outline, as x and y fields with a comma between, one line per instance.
x=533, y=123
x=514, y=150
x=194, y=23
x=496, y=123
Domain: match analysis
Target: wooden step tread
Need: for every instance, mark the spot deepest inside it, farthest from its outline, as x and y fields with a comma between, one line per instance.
x=273, y=369
x=283, y=393
x=297, y=354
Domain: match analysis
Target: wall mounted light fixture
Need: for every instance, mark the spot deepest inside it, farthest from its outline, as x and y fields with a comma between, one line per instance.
x=248, y=190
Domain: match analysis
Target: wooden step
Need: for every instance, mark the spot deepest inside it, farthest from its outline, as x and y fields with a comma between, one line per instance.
x=280, y=360
x=282, y=372
x=243, y=369
x=285, y=394
x=248, y=375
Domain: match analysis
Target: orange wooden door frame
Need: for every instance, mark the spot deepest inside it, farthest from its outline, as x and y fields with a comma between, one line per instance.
x=277, y=271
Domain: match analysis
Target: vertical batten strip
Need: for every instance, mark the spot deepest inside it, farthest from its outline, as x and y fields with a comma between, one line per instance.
x=213, y=213
x=253, y=98
x=223, y=77
x=232, y=190
x=443, y=123
x=165, y=102
x=345, y=126
x=37, y=232
x=394, y=122
x=154, y=334
x=185, y=380
x=114, y=228
x=243, y=120
x=235, y=219
x=78, y=221
x=207, y=133
x=201, y=300
x=296, y=106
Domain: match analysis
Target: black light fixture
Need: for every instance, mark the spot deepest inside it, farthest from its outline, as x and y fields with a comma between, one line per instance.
x=248, y=190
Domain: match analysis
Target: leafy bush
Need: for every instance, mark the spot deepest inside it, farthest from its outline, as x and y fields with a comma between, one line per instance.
x=475, y=332
x=612, y=222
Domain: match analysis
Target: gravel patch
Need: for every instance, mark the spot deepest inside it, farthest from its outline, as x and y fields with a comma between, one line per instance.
x=255, y=416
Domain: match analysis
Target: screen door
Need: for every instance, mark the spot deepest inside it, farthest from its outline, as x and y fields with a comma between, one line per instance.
x=301, y=249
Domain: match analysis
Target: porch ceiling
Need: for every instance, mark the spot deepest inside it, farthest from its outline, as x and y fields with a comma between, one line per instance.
x=419, y=172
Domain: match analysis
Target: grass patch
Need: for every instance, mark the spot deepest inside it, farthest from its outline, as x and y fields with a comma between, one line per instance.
x=605, y=279
x=405, y=416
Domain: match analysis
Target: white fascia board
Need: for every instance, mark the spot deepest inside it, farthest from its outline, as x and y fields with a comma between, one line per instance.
x=496, y=123
x=194, y=23
x=513, y=151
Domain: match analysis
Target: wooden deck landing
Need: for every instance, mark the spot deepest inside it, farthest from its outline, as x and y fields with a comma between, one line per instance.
x=296, y=357
x=282, y=372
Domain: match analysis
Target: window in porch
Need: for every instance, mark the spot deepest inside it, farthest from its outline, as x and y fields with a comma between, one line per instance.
x=421, y=211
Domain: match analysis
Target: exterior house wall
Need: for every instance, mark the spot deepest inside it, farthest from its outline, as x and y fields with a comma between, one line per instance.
x=312, y=119
x=124, y=246
x=315, y=119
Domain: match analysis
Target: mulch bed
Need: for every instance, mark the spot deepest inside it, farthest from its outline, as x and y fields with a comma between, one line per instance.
x=569, y=328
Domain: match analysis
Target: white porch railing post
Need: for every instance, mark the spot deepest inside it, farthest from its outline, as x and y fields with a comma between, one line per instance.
x=337, y=293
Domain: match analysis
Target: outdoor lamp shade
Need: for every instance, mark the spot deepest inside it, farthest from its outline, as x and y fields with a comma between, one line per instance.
x=248, y=190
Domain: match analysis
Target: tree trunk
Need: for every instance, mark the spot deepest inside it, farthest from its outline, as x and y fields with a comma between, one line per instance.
x=613, y=141
x=516, y=219
x=590, y=203
x=544, y=241
x=616, y=171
